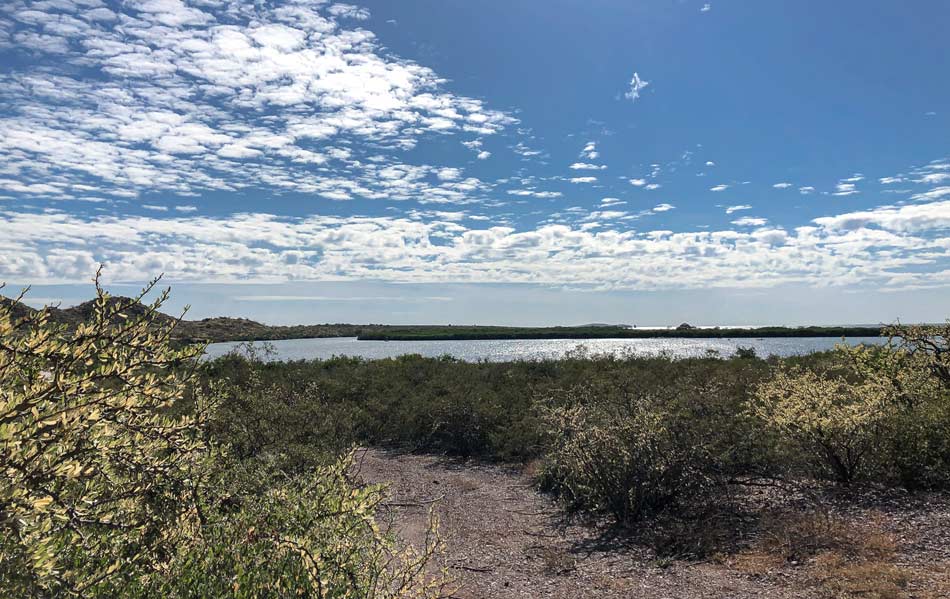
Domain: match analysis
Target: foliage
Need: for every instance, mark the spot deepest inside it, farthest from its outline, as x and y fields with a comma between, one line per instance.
x=96, y=473
x=835, y=423
x=314, y=535
x=115, y=484
x=483, y=409
x=628, y=458
x=880, y=413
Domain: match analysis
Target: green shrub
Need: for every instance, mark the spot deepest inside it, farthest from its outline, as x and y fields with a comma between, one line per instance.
x=835, y=424
x=313, y=535
x=97, y=477
x=880, y=413
x=628, y=458
x=113, y=485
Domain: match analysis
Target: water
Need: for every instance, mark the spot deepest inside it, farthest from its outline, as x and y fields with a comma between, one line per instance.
x=507, y=350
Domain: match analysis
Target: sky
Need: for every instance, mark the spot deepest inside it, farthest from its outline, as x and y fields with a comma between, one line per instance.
x=496, y=162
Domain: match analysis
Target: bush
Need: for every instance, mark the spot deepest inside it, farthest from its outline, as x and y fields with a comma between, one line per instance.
x=312, y=535
x=835, y=424
x=113, y=484
x=627, y=458
x=98, y=479
x=880, y=414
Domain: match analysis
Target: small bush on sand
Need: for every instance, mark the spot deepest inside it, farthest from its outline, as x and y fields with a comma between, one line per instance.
x=626, y=458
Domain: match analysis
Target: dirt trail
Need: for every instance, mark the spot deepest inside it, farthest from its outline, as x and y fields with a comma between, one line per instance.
x=503, y=539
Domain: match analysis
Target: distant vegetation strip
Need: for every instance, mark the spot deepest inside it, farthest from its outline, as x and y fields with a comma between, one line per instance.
x=448, y=333
x=223, y=329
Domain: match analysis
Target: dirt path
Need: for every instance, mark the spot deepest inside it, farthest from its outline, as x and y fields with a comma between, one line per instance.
x=504, y=540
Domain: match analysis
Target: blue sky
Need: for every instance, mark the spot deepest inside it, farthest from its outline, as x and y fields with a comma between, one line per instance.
x=490, y=162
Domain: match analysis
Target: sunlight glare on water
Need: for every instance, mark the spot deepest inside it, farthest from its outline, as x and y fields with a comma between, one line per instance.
x=506, y=350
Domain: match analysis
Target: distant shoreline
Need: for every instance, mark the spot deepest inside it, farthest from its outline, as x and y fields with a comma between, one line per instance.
x=453, y=333
x=228, y=329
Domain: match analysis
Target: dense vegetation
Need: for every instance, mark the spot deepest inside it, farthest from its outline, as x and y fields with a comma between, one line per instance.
x=132, y=469
x=631, y=436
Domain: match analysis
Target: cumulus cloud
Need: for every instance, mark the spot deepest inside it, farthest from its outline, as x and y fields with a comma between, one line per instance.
x=882, y=245
x=588, y=167
x=582, y=179
x=901, y=219
x=169, y=97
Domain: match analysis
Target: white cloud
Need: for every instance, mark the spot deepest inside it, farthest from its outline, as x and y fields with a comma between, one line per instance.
x=187, y=99
x=782, y=185
x=720, y=187
x=638, y=182
x=582, y=179
x=636, y=86
x=483, y=155
x=523, y=150
x=749, y=221
x=706, y=7
x=663, y=207
x=886, y=246
x=934, y=194
x=845, y=189
x=808, y=189
x=652, y=186
x=731, y=209
x=932, y=178
x=448, y=174
x=349, y=11
x=890, y=180
x=590, y=151
x=710, y=163
x=587, y=166
x=911, y=218
x=535, y=194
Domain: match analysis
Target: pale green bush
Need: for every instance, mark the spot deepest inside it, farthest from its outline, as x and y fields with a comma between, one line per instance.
x=111, y=485
x=627, y=458
x=882, y=414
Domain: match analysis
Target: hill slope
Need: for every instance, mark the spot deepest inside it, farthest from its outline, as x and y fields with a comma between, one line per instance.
x=208, y=329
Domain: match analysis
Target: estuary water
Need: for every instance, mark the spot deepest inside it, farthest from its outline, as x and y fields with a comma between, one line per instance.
x=507, y=350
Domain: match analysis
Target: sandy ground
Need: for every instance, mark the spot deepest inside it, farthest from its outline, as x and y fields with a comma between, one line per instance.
x=504, y=539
